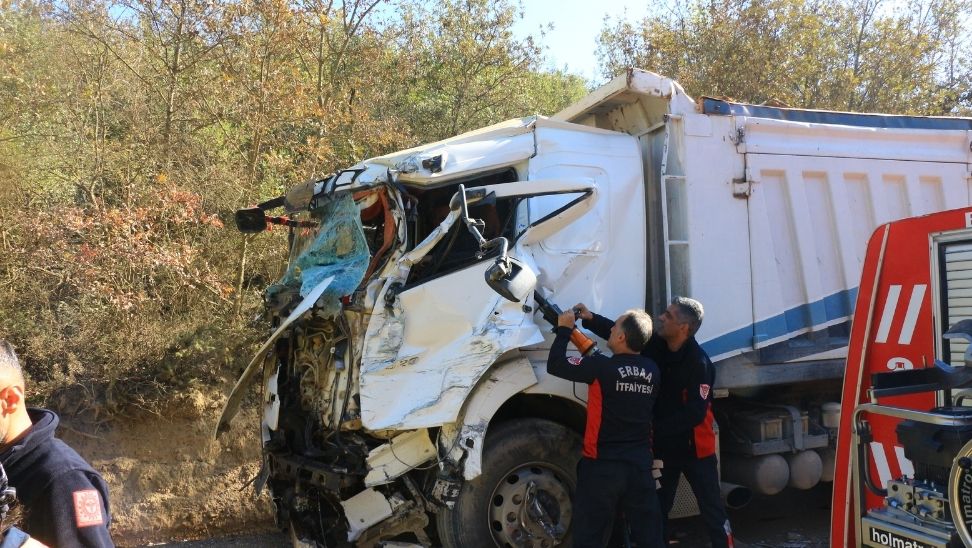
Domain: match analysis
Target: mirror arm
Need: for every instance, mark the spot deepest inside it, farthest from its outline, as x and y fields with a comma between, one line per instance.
x=503, y=266
x=475, y=226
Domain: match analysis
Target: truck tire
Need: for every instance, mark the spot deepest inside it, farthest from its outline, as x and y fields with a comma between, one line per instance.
x=527, y=464
x=295, y=539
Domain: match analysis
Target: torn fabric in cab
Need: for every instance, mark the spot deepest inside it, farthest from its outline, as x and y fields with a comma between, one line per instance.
x=337, y=247
x=331, y=260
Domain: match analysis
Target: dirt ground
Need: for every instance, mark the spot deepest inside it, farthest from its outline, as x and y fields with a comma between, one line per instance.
x=791, y=519
x=169, y=479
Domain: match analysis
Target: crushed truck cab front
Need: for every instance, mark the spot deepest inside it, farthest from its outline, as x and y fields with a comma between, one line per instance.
x=390, y=354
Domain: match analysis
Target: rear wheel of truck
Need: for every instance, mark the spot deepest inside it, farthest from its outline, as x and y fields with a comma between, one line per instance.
x=523, y=496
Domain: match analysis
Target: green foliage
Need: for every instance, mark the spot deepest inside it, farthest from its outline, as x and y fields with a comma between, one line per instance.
x=905, y=57
x=131, y=130
x=460, y=67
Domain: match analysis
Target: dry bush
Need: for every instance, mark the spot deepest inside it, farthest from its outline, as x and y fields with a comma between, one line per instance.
x=117, y=305
x=127, y=141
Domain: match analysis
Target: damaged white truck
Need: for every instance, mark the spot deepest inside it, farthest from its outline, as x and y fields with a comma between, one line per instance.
x=406, y=401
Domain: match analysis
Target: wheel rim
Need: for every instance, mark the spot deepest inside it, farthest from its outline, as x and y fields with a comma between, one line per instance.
x=530, y=507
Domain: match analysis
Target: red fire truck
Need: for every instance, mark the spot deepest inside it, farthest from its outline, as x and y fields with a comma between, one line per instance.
x=903, y=474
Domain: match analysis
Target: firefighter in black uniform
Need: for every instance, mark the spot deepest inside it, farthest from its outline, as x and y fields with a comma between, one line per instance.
x=64, y=502
x=614, y=472
x=684, y=434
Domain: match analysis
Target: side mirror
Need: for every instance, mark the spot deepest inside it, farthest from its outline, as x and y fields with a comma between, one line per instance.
x=508, y=276
x=511, y=278
x=251, y=220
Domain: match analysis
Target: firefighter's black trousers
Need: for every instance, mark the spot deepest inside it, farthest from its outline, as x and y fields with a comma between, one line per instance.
x=607, y=487
x=703, y=477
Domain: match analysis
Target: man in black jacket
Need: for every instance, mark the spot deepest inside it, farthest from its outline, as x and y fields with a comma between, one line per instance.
x=684, y=432
x=64, y=501
x=614, y=472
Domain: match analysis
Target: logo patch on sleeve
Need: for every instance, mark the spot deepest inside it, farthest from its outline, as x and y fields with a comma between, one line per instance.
x=87, y=508
x=704, y=391
x=574, y=360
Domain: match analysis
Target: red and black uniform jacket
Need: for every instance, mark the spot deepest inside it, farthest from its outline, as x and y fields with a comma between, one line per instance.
x=620, y=400
x=684, y=424
x=65, y=501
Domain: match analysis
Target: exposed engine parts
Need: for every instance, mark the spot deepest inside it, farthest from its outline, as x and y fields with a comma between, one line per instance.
x=317, y=457
x=922, y=500
x=320, y=348
x=919, y=511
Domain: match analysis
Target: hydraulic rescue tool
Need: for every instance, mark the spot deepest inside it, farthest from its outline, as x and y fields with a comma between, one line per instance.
x=585, y=345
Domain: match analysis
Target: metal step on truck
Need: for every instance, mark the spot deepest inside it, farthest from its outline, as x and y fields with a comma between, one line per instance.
x=407, y=401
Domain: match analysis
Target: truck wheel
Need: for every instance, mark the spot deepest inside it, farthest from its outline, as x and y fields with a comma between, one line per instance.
x=295, y=539
x=523, y=497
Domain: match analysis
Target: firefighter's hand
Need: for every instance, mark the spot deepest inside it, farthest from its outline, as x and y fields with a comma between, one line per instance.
x=566, y=319
x=583, y=312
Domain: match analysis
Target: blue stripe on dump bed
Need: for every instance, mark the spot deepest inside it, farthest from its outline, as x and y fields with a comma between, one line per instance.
x=725, y=108
x=833, y=307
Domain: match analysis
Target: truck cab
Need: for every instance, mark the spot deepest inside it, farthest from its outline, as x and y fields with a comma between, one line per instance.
x=392, y=357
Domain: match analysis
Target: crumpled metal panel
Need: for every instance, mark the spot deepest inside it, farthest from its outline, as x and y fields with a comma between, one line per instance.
x=403, y=453
x=239, y=389
x=499, y=145
x=339, y=250
x=423, y=355
x=499, y=385
x=330, y=266
x=365, y=510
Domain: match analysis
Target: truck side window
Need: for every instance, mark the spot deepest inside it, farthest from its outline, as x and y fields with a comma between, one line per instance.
x=378, y=225
x=458, y=248
x=955, y=280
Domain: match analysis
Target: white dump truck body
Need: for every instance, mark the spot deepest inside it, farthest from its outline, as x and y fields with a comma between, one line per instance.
x=763, y=213
x=396, y=381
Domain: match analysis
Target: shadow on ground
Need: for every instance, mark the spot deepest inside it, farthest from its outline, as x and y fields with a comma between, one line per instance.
x=791, y=519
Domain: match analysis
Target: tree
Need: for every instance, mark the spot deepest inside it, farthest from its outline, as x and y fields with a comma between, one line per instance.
x=459, y=67
x=831, y=54
x=130, y=130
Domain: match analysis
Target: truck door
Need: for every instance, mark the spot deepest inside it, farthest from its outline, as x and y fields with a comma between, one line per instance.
x=432, y=337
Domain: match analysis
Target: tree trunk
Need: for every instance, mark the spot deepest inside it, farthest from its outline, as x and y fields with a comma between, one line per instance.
x=173, y=84
x=240, y=277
